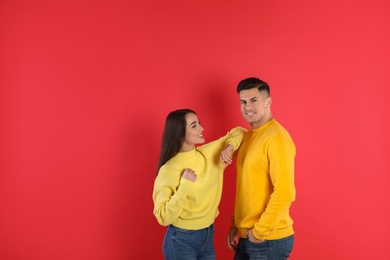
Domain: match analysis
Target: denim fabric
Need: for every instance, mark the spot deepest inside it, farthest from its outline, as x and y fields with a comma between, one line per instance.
x=184, y=244
x=279, y=249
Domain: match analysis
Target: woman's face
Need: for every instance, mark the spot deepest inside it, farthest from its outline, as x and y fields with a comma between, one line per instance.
x=194, y=133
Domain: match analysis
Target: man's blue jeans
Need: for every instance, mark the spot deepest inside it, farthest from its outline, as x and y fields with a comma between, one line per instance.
x=184, y=244
x=279, y=249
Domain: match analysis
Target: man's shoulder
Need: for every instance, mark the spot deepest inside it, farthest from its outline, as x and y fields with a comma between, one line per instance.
x=276, y=128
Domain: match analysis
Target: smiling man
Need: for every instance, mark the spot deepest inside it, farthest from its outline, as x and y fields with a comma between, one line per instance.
x=261, y=227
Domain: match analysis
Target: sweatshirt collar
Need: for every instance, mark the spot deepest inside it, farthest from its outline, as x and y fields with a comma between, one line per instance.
x=261, y=128
x=188, y=154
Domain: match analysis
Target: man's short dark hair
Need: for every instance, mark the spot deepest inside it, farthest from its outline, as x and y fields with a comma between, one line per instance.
x=253, y=82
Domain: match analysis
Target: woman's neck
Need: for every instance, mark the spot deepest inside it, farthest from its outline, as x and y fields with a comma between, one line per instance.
x=186, y=148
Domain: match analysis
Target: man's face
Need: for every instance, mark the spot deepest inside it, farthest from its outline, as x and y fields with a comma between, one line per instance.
x=254, y=106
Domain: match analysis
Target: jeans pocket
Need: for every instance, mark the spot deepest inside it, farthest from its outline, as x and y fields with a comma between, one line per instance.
x=257, y=243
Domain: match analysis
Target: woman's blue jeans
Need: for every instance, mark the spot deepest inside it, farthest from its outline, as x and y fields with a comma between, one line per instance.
x=279, y=249
x=184, y=244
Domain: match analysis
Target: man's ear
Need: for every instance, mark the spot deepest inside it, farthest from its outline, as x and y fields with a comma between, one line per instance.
x=268, y=102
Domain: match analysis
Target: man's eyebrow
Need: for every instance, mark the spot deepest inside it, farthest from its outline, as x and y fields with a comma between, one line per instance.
x=252, y=98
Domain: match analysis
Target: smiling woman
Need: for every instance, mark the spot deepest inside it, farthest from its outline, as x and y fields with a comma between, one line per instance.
x=188, y=187
x=194, y=133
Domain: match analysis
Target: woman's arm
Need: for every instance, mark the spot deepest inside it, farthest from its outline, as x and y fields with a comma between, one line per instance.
x=170, y=193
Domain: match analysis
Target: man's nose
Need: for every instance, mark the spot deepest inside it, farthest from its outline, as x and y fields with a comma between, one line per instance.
x=247, y=106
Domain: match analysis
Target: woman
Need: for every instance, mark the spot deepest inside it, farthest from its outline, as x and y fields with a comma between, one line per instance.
x=188, y=186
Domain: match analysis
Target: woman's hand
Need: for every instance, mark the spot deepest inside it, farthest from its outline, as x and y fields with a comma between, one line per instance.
x=227, y=155
x=189, y=175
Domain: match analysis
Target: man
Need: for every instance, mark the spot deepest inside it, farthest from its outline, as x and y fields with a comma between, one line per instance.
x=262, y=227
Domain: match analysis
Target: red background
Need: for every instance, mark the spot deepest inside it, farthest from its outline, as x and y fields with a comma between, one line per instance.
x=86, y=86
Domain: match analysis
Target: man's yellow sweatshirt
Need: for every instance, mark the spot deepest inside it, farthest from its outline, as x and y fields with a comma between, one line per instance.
x=265, y=182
